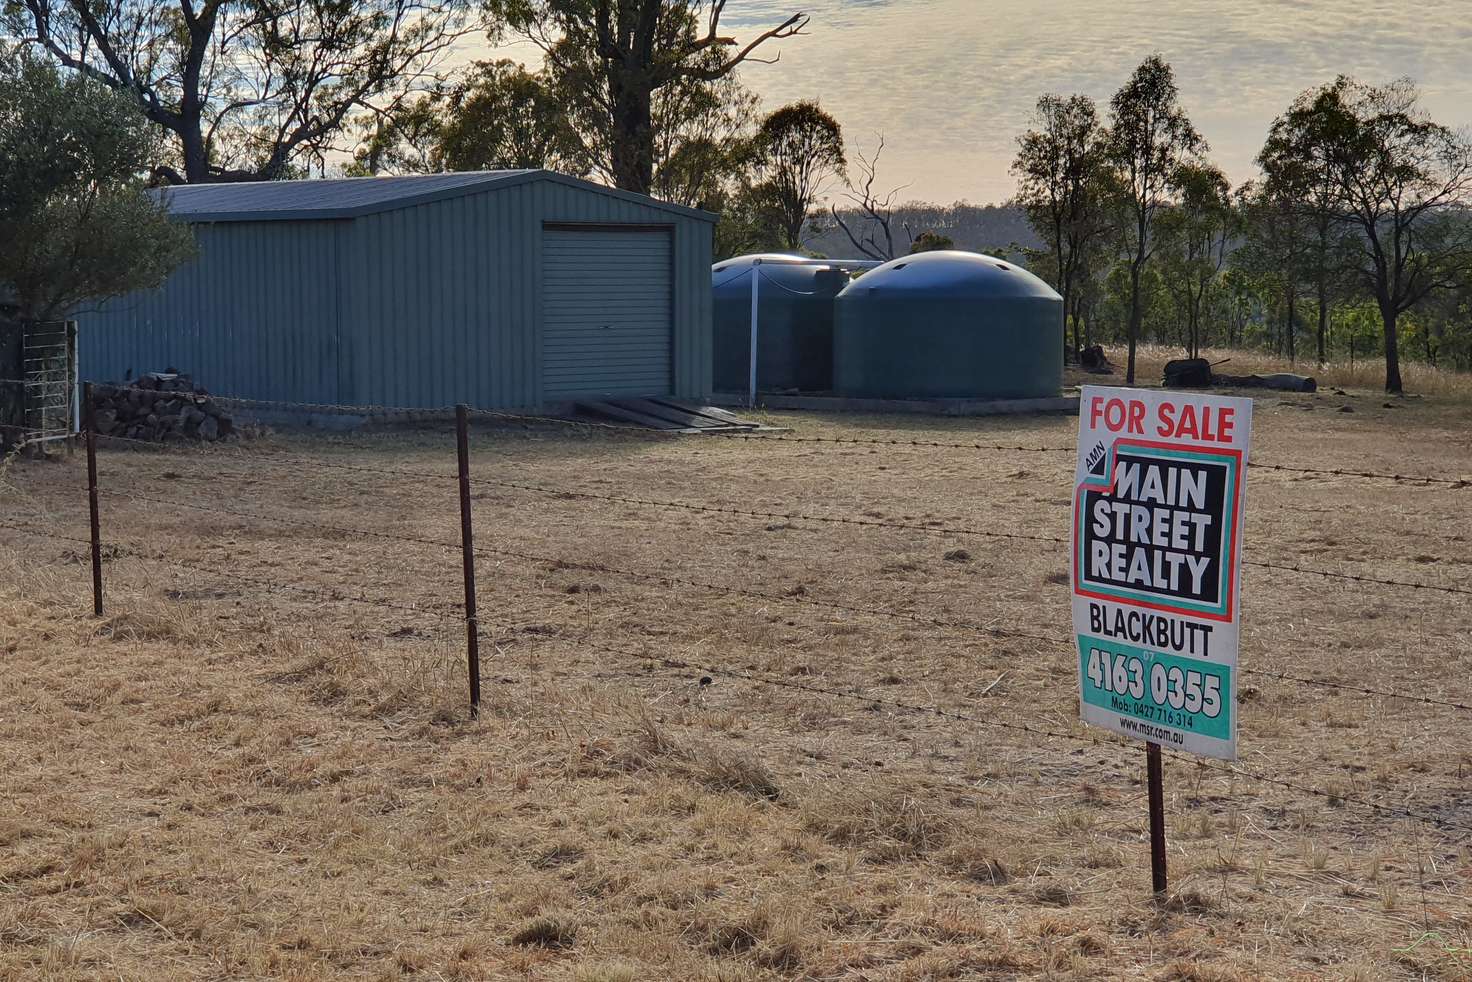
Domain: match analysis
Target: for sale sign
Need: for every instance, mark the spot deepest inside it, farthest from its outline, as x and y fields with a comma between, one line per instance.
x=1157, y=546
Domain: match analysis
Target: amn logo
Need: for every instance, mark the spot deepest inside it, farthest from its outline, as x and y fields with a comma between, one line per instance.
x=1097, y=462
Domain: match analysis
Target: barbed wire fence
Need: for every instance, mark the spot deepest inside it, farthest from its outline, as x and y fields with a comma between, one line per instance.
x=387, y=412
x=464, y=481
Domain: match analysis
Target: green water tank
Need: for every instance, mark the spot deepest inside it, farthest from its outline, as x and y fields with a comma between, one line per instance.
x=948, y=325
x=795, y=324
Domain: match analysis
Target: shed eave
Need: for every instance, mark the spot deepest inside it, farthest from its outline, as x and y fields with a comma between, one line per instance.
x=630, y=196
x=490, y=185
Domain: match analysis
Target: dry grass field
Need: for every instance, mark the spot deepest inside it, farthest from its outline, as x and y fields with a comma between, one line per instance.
x=269, y=775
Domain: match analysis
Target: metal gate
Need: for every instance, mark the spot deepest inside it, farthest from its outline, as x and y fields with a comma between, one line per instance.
x=49, y=381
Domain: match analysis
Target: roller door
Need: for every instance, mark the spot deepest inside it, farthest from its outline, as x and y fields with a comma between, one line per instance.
x=606, y=312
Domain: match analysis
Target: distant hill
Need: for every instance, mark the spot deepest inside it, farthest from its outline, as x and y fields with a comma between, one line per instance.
x=977, y=228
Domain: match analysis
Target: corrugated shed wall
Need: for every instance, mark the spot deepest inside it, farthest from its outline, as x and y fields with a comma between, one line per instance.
x=256, y=314
x=441, y=304
x=443, y=300
x=422, y=306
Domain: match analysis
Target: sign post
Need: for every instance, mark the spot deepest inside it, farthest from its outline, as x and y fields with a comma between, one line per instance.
x=1160, y=489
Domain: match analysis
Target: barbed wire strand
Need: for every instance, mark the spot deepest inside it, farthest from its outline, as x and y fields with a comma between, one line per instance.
x=448, y=411
x=847, y=520
x=787, y=516
x=791, y=599
x=1093, y=739
x=333, y=596
x=1357, y=689
x=291, y=460
x=1330, y=796
x=904, y=526
x=888, y=442
x=299, y=522
x=936, y=530
x=1358, y=577
x=872, y=699
x=1452, y=482
x=558, y=562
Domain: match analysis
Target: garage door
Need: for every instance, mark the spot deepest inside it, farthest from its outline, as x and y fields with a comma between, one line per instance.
x=606, y=306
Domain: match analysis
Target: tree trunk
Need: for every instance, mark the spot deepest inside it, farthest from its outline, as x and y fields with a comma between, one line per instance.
x=196, y=159
x=1195, y=328
x=1392, y=352
x=1067, y=307
x=794, y=230
x=1134, y=325
x=1078, y=316
x=1323, y=316
x=1290, y=327
x=1065, y=284
x=1201, y=325
x=633, y=133
x=1197, y=302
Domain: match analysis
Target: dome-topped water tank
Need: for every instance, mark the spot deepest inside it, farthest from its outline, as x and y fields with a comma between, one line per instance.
x=948, y=324
x=794, y=318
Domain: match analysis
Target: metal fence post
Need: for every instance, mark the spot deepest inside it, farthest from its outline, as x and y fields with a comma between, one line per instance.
x=756, y=272
x=90, y=422
x=467, y=550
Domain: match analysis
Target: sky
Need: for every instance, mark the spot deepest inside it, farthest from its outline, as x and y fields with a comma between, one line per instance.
x=950, y=83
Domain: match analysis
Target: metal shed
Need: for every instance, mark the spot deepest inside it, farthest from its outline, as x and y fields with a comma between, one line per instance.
x=501, y=289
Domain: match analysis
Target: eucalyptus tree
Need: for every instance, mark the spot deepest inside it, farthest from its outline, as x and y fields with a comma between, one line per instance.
x=614, y=61
x=1396, y=180
x=248, y=90
x=796, y=154
x=1150, y=137
x=1297, y=163
x=1061, y=168
x=500, y=116
x=1276, y=253
x=871, y=223
x=1196, y=235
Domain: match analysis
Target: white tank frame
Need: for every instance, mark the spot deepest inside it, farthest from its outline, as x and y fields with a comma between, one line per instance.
x=756, y=277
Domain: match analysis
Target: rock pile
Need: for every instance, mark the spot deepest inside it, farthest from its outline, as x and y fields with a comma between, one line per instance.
x=164, y=406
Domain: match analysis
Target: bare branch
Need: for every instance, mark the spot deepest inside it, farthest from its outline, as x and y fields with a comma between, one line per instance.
x=791, y=27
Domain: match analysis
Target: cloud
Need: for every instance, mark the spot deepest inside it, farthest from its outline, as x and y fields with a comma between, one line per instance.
x=951, y=82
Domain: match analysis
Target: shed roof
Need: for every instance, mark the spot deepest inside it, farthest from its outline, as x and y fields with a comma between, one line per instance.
x=352, y=197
